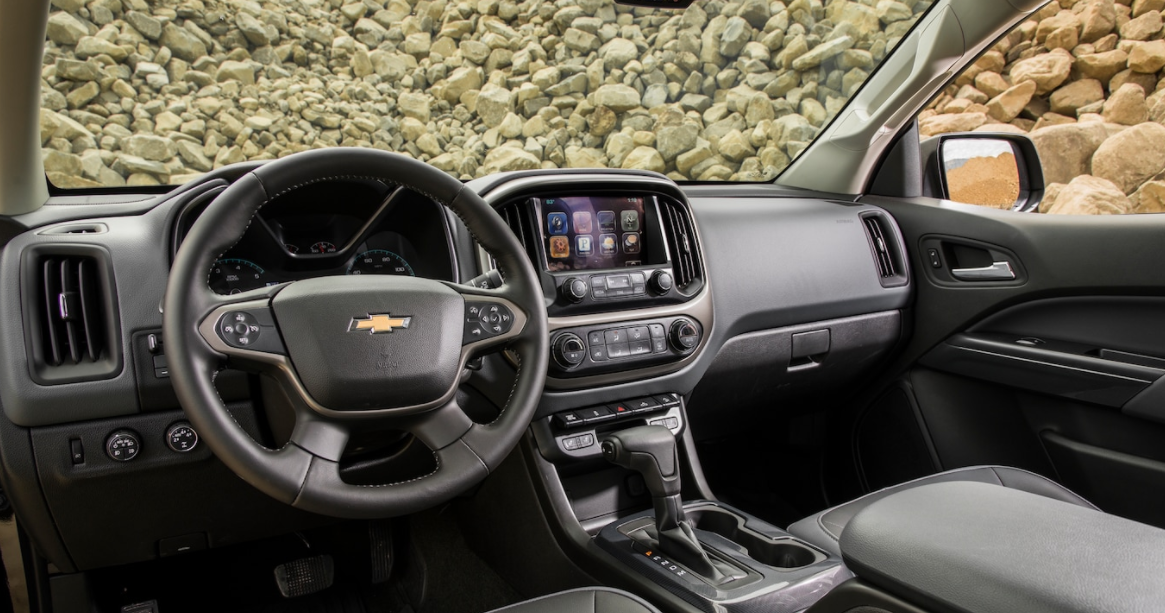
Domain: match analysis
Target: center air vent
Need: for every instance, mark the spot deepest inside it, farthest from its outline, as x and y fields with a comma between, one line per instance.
x=886, y=249
x=682, y=245
x=69, y=313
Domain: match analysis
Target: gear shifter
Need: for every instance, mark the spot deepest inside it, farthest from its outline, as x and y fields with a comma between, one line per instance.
x=651, y=451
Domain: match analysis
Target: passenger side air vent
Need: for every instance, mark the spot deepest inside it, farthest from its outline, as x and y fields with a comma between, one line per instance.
x=519, y=218
x=886, y=248
x=683, y=247
x=69, y=314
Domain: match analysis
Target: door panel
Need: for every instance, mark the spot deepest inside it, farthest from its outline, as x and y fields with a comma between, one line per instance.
x=1060, y=371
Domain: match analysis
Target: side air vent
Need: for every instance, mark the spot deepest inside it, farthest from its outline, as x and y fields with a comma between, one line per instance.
x=519, y=218
x=683, y=247
x=886, y=248
x=69, y=313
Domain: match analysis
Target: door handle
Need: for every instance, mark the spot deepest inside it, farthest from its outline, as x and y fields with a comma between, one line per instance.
x=998, y=271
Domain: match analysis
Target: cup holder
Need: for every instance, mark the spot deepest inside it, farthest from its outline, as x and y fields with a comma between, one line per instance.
x=780, y=552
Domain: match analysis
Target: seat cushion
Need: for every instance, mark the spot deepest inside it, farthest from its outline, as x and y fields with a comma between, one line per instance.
x=585, y=600
x=825, y=528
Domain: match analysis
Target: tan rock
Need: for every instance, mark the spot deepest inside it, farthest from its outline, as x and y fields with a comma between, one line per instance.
x=1063, y=38
x=1087, y=195
x=968, y=92
x=1048, y=70
x=1148, y=57
x=1008, y=105
x=1142, y=28
x=1098, y=19
x=1140, y=7
x=1149, y=198
x=1148, y=82
x=1070, y=98
x=1126, y=106
x=1066, y=150
x=1102, y=66
x=1063, y=19
x=1052, y=119
x=1051, y=191
x=944, y=124
x=991, y=83
x=1131, y=157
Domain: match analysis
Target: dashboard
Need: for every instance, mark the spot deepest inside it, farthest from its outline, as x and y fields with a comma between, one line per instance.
x=334, y=228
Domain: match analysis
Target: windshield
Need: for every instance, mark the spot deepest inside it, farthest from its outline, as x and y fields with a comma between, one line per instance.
x=147, y=92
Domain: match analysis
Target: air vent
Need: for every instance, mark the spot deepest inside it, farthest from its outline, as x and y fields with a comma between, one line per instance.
x=77, y=228
x=517, y=216
x=69, y=314
x=682, y=245
x=887, y=253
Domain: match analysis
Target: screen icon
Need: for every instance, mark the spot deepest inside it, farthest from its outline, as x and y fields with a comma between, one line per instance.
x=559, y=247
x=585, y=245
x=556, y=223
x=606, y=221
x=631, y=242
x=629, y=220
x=607, y=244
x=582, y=222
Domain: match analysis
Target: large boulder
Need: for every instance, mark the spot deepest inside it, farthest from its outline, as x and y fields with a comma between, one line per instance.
x=1087, y=195
x=1066, y=150
x=1132, y=156
x=1048, y=70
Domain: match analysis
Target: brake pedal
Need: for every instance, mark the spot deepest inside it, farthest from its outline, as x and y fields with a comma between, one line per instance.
x=305, y=576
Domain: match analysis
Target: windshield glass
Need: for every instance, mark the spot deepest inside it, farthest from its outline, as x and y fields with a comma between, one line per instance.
x=146, y=92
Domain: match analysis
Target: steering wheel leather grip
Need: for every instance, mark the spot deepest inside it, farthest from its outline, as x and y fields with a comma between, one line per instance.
x=305, y=472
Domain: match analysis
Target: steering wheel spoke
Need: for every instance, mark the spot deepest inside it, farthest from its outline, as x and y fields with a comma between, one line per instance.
x=323, y=438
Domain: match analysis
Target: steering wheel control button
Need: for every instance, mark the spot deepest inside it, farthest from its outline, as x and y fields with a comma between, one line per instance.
x=252, y=329
x=123, y=446
x=181, y=438
x=486, y=320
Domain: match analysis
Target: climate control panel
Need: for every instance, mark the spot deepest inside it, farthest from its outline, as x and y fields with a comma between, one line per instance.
x=612, y=347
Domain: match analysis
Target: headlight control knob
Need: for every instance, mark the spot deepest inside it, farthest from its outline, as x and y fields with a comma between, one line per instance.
x=181, y=437
x=123, y=445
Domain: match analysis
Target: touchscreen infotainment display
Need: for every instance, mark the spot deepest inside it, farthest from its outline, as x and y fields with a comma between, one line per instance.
x=593, y=232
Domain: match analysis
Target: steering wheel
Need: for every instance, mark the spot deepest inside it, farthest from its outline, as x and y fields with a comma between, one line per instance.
x=354, y=352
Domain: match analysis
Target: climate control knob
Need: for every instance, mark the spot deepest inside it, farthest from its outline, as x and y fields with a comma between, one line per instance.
x=569, y=350
x=574, y=290
x=685, y=335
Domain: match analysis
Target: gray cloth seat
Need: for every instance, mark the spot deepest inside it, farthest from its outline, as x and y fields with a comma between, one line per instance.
x=825, y=528
x=585, y=600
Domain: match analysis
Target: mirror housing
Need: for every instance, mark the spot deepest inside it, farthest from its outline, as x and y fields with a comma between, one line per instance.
x=944, y=155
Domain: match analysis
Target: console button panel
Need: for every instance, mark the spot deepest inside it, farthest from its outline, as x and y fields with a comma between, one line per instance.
x=575, y=434
x=610, y=347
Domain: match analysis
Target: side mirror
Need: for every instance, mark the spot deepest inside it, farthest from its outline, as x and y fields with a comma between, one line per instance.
x=998, y=170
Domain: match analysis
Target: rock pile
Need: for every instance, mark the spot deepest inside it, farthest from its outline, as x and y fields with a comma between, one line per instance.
x=142, y=92
x=1084, y=79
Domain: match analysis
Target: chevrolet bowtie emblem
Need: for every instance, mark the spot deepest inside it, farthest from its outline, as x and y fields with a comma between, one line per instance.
x=378, y=324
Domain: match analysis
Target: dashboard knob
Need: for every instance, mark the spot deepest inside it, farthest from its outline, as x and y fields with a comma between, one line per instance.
x=569, y=350
x=123, y=445
x=181, y=437
x=685, y=335
x=575, y=289
x=660, y=282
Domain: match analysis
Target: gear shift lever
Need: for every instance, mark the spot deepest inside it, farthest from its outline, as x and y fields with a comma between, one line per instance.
x=651, y=451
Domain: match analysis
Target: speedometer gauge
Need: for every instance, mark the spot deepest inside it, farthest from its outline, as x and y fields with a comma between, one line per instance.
x=233, y=276
x=380, y=262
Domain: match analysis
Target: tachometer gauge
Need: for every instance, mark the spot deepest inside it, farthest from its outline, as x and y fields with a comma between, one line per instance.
x=233, y=276
x=380, y=262
x=292, y=249
x=323, y=247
